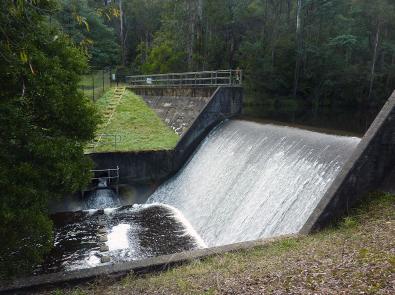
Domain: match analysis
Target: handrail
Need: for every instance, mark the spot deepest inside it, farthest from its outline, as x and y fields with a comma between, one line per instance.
x=109, y=175
x=204, y=78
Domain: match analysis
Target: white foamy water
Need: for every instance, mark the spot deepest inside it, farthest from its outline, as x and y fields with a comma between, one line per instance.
x=118, y=238
x=250, y=181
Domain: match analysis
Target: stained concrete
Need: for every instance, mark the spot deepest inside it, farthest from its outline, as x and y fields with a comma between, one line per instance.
x=178, y=107
x=388, y=185
x=177, y=112
x=370, y=164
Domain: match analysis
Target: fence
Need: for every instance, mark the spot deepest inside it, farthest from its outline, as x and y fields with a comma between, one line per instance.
x=111, y=175
x=207, y=78
x=95, y=83
x=110, y=140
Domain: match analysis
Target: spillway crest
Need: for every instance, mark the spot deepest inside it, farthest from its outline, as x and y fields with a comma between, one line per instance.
x=249, y=181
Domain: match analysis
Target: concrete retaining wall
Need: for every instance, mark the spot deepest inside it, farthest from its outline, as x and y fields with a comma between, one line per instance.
x=174, y=91
x=368, y=166
x=226, y=103
x=134, y=167
x=137, y=167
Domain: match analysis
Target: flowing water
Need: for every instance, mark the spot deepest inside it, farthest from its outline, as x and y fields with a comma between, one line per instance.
x=101, y=198
x=133, y=233
x=246, y=181
x=250, y=180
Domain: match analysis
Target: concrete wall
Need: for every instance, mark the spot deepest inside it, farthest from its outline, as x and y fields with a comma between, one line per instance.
x=174, y=91
x=226, y=103
x=371, y=162
x=134, y=167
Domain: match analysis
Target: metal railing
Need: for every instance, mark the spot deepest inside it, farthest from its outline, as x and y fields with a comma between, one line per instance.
x=106, y=140
x=96, y=82
x=109, y=174
x=206, y=78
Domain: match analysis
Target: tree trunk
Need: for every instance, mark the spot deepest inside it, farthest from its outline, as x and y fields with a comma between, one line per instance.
x=299, y=43
x=121, y=34
x=373, y=69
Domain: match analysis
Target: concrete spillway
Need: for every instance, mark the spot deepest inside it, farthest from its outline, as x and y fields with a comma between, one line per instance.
x=249, y=181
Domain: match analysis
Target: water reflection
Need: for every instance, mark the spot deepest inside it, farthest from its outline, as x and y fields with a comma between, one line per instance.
x=353, y=120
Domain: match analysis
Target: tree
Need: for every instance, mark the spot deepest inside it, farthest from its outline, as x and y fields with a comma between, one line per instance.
x=299, y=43
x=85, y=24
x=44, y=123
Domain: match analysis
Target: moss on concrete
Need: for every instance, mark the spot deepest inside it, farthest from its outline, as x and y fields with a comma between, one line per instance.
x=137, y=125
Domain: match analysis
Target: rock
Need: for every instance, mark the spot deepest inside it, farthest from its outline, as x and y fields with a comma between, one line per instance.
x=103, y=239
x=105, y=259
x=102, y=231
x=104, y=248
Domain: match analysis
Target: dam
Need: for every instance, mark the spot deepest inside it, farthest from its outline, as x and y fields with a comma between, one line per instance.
x=249, y=180
x=229, y=180
x=246, y=181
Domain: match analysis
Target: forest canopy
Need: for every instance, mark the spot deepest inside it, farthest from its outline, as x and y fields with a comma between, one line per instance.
x=316, y=51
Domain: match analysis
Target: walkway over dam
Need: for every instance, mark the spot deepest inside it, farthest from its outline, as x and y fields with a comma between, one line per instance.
x=179, y=98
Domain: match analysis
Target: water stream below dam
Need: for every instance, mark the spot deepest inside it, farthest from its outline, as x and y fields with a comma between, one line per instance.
x=246, y=181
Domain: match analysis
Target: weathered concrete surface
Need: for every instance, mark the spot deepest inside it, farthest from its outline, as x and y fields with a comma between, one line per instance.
x=178, y=107
x=371, y=162
x=224, y=103
x=142, y=266
x=174, y=91
x=177, y=112
x=388, y=185
x=135, y=167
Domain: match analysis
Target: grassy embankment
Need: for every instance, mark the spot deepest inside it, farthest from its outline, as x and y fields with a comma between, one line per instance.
x=137, y=125
x=355, y=256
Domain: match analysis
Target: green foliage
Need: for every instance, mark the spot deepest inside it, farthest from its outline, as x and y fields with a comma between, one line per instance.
x=164, y=58
x=44, y=123
x=87, y=27
x=337, y=64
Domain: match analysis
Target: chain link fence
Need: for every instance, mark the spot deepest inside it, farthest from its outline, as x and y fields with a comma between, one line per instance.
x=96, y=82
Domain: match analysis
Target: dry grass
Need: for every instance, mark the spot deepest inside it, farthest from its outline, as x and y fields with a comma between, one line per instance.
x=356, y=256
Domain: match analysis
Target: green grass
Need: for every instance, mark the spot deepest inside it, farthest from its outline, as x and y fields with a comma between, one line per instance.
x=92, y=84
x=354, y=256
x=138, y=126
